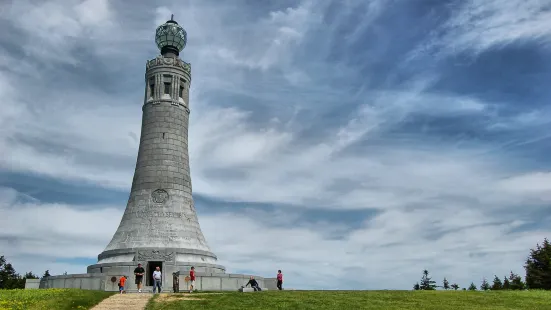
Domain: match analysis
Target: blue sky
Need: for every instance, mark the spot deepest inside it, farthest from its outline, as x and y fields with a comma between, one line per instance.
x=351, y=144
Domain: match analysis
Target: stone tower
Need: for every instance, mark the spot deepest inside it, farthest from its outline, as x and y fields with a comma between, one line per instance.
x=160, y=226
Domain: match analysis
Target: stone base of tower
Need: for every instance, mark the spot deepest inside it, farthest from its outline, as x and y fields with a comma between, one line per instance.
x=169, y=259
x=167, y=268
x=123, y=262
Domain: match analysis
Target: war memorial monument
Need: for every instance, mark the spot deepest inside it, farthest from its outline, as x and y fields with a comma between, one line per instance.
x=160, y=227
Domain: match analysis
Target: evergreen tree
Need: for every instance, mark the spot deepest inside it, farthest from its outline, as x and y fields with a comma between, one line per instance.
x=506, y=284
x=538, y=267
x=9, y=279
x=416, y=287
x=484, y=286
x=427, y=283
x=446, y=284
x=472, y=287
x=2, y=262
x=46, y=274
x=30, y=275
x=7, y=271
x=455, y=286
x=515, y=282
x=497, y=285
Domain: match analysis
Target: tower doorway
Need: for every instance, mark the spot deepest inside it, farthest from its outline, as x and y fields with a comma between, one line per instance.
x=151, y=266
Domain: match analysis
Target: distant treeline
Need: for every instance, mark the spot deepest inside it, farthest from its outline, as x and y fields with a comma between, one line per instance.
x=538, y=275
x=10, y=279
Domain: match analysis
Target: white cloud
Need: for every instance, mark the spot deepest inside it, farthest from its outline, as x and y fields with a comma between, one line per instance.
x=267, y=45
x=52, y=29
x=272, y=39
x=94, y=12
x=67, y=138
x=482, y=25
x=535, y=185
x=10, y=112
x=243, y=145
x=479, y=26
x=53, y=230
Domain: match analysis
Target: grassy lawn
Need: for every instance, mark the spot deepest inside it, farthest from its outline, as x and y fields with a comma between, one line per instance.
x=344, y=300
x=59, y=299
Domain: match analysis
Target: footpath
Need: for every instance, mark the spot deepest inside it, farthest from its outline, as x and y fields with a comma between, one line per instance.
x=124, y=301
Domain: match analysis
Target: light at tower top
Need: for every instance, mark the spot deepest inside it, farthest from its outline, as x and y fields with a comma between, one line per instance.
x=170, y=37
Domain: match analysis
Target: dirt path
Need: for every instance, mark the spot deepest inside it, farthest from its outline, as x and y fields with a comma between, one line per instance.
x=135, y=301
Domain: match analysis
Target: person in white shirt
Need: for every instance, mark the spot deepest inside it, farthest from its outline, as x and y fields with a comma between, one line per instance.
x=157, y=279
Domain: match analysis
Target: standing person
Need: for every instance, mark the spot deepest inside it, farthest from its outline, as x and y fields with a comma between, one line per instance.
x=122, y=282
x=192, y=279
x=279, y=280
x=139, y=272
x=176, y=282
x=157, y=279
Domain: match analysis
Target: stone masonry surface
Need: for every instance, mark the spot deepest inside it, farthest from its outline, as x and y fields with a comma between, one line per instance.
x=218, y=281
x=160, y=213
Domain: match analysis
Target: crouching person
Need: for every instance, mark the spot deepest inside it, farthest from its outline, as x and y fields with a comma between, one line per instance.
x=253, y=284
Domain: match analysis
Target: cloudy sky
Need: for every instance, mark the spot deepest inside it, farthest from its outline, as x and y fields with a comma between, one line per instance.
x=351, y=144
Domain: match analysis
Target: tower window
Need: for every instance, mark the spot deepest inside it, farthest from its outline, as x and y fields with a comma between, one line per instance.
x=167, y=88
x=181, y=92
x=151, y=87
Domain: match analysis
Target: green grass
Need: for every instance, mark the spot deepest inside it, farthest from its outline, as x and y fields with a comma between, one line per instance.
x=59, y=299
x=344, y=300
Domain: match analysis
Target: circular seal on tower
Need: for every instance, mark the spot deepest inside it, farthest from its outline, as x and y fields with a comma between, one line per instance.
x=159, y=196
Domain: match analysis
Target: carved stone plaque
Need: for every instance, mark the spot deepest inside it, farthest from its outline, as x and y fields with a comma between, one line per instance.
x=159, y=196
x=155, y=255
x=160, y=61
x=150, y=214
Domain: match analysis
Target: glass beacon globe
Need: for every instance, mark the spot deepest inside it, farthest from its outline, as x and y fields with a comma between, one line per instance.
x=171, y=37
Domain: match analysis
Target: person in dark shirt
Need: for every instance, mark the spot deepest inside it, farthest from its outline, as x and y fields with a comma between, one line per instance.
x=253, y=284
x=139, y=272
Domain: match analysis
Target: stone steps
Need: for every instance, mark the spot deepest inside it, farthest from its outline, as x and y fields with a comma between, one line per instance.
x=124, y=301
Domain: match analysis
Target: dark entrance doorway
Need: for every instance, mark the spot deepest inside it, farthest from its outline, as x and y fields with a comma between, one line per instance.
x=151, y=266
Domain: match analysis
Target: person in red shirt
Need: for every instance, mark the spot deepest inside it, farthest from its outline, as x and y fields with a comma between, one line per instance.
x=192, y=279
x=122, y=282
x=279, y=280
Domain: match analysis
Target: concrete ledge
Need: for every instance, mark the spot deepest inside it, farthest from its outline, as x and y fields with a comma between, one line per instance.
x=247, y=276
x=270, y=283
x=103, y=282
x=76, y=275
x=250, y=289
x=210, y=274
x=81, y=281
x=31, y=284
